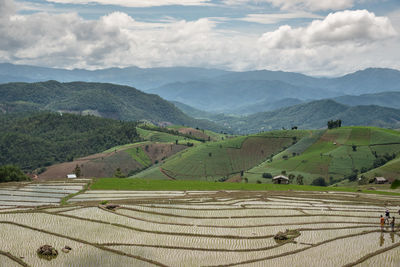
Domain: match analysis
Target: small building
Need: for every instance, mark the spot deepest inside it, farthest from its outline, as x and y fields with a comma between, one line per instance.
x=71, y=176
x=380, y=180
x=280, y=179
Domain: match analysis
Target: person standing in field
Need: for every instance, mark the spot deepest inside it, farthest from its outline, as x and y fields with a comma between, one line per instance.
x=382, y=220
x=392, y=224
x=387, y=216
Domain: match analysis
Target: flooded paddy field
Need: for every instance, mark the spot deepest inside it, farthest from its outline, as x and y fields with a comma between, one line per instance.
x=194, y=228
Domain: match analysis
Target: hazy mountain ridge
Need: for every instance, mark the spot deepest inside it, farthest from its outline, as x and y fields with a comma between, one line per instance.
x=384, y=99
x=314, y=115
x=140, y=78
x=227, y=92
x=226, y=96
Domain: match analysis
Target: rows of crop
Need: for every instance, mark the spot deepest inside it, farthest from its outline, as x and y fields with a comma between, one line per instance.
x=335, y=253
x=205, y=228
x=333, y=153
x=221, y=159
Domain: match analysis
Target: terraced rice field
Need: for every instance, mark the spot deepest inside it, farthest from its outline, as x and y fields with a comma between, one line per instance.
x=198, y=228
x=37, y=194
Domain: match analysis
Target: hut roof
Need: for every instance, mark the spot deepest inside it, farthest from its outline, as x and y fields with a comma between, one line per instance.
x=280, y=177
x=380, y=179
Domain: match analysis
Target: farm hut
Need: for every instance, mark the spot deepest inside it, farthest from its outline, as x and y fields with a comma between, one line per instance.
x=280, y=179
x=380, y=180
x=71, y=176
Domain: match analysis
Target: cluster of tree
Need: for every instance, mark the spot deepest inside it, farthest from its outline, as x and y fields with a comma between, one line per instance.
x=42, y=139
x=353, y=176
x=171, y=131
x=334, y=124
x=266, y=175
x=320, y=181
x=382, y=160
x=11, y=173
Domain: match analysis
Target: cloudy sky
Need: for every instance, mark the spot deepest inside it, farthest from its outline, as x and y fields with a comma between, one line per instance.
x=316, y=37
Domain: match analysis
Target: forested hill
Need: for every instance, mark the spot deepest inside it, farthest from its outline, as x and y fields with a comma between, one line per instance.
x=46, y=138
x=314, y=115
x=100, y=99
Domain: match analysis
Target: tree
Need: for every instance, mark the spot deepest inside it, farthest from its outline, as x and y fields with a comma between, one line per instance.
x=299, y=179
x=291, y=177
x=77, y=171
x=334, y=124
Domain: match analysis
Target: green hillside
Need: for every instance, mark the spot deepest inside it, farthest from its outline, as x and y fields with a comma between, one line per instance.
x=224, y=159
x=336, y=154
x=100, y=99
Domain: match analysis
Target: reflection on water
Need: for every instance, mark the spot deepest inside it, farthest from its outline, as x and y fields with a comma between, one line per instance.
x=382, y=238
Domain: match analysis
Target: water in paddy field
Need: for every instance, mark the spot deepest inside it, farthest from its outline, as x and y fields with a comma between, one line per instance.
x=206, y=228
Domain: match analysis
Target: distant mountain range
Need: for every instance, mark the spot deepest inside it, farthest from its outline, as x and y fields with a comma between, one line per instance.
x=227, y=96
x=256, y=91
x=218, y=90
x=243, y=101
x=137, y=77
x=312, y=115
x=100, y=99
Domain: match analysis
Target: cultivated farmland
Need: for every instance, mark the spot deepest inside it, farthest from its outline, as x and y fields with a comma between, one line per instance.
x=223, y=159
x=204, y=228
x=335, y=154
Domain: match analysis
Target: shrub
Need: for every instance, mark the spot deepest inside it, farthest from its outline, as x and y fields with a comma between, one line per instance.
x=395, y=184
x=258, y=182
x=319, y=182
x=266, y=175
x=118, y=173
x=352, y=177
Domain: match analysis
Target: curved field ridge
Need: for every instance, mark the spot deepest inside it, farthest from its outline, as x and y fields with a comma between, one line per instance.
x=210, y=228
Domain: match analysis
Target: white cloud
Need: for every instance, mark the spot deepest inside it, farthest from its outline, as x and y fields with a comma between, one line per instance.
x=356, y=27
x=341, y=42
x=313, y=5
x=135, y=3
x=277, y=17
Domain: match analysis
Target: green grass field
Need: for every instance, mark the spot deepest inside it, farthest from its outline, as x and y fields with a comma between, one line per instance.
x=144, y=184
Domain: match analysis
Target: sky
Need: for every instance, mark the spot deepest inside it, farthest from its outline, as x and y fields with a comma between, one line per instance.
x=314, y=37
